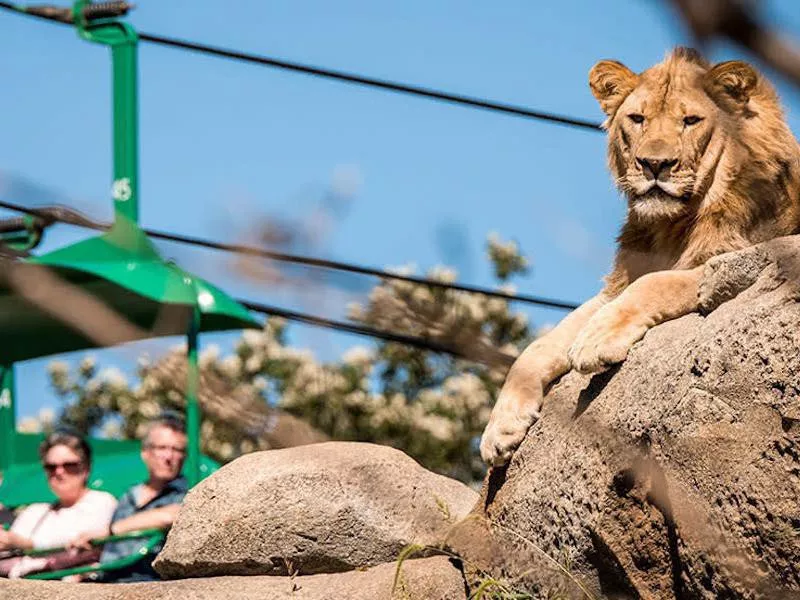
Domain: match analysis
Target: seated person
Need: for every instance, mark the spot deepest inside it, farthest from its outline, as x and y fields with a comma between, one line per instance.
x=67, y=460
x=152, y=504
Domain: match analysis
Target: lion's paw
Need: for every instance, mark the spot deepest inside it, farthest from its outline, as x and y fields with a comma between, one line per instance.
x=503, y=435
x=605, y=340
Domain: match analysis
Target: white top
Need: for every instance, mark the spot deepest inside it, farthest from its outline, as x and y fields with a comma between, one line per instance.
x=50, y=528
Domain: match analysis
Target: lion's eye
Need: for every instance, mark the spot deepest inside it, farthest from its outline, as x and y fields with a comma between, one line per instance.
x=636, y=118
x=692, y=120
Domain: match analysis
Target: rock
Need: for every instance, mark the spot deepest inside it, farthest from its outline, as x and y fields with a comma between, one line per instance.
x=320, y=508
x=435, y=578
x=674, y=475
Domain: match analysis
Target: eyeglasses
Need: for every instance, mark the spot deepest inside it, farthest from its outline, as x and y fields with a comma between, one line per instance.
x=72, y=467
x=164, y=448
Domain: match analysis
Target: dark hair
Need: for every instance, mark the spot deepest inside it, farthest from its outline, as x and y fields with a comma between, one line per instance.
x=72, y=440
x=170, y=420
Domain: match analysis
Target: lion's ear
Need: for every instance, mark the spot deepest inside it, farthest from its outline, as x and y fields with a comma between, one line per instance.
x=732, y=80
x=611, y=82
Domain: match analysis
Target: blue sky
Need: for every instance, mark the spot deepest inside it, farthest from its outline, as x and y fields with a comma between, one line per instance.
x=224, y=144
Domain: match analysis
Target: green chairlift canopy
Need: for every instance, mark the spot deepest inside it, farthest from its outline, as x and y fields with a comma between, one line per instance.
x=124, y=271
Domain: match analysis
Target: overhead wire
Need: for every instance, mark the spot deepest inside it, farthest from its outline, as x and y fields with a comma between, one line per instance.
x=408, y=340
x=384, y=84
x=347, y=77
x=352, y=268
x=72, y=217
x=352, y=78
x=68, y=216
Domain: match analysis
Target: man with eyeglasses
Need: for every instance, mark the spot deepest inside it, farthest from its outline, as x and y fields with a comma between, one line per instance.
x=153, y=504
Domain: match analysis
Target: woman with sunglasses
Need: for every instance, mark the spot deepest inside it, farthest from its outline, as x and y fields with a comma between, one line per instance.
x=67, y=460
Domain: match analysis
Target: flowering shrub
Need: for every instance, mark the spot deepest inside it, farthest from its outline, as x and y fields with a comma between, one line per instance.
x=430, y=405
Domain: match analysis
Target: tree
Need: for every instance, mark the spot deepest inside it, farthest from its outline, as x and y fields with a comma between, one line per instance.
x=267, y=394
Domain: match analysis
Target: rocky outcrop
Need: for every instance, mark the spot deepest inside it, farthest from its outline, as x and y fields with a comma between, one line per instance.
x=319, y=508
x=674, y=475
x=435, y=578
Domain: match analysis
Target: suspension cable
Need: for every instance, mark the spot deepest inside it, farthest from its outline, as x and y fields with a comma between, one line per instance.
x=336, y=75
x=73, y=217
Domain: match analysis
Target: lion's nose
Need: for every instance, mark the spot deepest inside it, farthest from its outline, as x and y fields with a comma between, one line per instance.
x=653, y=167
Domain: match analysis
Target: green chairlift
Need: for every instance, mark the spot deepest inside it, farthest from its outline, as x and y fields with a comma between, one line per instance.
x=120, y=268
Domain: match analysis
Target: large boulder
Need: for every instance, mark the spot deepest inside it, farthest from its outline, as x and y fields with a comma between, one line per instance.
x=434, y=578
x=674, y=475
x=319, y=508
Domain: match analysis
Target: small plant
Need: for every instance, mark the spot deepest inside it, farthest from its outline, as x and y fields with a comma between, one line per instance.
x=405, y=553
x=443, y=507
x=292, y=572
x=566, y=568
x=496, y=589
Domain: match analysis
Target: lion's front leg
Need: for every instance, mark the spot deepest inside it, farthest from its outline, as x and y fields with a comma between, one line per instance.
x=520, y=400
x=648, y=301
x=516, y=409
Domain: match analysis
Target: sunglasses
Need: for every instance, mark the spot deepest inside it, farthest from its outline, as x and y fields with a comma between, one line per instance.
x=72, y=467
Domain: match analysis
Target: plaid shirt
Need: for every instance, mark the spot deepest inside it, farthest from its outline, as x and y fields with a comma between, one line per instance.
x=141, y=570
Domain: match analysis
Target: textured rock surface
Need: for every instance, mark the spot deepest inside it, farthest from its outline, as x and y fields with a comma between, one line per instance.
x=320, y=508
x=676, y=475
x=422, y=579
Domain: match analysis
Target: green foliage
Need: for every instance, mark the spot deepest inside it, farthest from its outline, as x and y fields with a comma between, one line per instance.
x=506, y=259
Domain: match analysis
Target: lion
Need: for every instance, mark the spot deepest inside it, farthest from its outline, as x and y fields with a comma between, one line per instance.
x=707, y=164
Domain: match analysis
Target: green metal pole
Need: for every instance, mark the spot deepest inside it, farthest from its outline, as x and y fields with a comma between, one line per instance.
x=123, y=41
x=192, y=408
x=8, y=417
x=125, y=189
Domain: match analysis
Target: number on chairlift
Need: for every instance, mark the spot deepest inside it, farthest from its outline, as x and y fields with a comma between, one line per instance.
x=121, y=190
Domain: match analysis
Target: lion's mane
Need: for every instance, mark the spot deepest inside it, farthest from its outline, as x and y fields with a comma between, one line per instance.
x=753, y=182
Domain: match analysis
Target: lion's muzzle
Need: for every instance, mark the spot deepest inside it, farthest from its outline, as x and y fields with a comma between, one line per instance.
x=656, y=169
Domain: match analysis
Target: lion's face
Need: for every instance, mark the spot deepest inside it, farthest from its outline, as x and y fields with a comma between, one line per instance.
x=661, y=127
x=663, y=135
